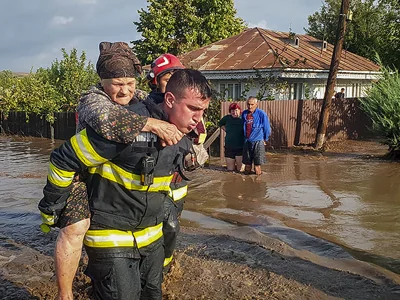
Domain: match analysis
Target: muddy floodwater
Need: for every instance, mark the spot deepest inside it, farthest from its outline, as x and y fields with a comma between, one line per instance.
x=336, y=206
x=339, y=206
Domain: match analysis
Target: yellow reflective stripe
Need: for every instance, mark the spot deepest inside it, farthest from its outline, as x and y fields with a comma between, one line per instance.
x=167, y=260
x=149, y=235
x=59, y=177
x=178, y=194
x=202, y=138
x=107, y=239
x=47, y=219
x=119, y=238
x=84, y=150
x=130, y=181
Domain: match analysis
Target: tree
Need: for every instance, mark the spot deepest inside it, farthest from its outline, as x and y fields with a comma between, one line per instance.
x=50, y=90
x=323, y=24
x=69, y=77
x=382, y=105
x=375, y=28
x=35, y=96
x=7, y=87
x=178, y=26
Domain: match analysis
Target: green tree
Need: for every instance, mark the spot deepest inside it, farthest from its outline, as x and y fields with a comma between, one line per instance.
x=7, y=86
x=374, y=28
x=323, y=24
x=382, y=105
x=38, y=97
x=28, y=94
x=48, y=90
x=69, y=76
x=178, y=26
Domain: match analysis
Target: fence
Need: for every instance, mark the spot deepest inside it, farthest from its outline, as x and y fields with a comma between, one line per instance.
x=294, y=122
x=36, y=125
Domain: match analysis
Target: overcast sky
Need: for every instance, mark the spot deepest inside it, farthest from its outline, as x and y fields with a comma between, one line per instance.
x=33, y=32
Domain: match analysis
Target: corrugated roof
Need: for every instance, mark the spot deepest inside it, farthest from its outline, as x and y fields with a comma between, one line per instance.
x=257, y=48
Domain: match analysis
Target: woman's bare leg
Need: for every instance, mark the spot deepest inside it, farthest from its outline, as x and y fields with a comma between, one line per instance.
x=67, y=255
x=239, y=165
x=230, y=164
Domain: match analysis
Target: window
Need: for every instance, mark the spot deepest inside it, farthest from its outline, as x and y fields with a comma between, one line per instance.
x=230, y=90
x=296, y=41
x=324, y=45
x=296, y=91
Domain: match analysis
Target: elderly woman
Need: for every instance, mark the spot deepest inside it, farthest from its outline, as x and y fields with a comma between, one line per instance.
x=234, y=139
x=102, y=108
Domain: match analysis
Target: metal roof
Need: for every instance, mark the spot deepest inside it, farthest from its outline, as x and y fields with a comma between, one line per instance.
x=257, y=48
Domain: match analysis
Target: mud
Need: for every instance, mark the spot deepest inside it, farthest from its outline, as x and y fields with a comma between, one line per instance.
x=237, y=241
x=225, y=264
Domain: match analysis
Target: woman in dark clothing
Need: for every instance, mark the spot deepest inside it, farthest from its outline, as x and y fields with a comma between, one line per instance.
x=234, y=139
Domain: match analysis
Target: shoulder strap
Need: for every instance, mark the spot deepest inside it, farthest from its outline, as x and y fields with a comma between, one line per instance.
x=155, y=111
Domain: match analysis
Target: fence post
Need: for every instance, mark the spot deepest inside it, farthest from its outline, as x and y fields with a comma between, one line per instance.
x=1, y=124
x=52, y=130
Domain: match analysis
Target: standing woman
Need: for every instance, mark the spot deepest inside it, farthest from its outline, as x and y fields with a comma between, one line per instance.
x=234, y=139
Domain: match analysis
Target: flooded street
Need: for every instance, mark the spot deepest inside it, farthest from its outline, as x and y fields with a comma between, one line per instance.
x=23, y=171
x=334, y=206
x=347, y=201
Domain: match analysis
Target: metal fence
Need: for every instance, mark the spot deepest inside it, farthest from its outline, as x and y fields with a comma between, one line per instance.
x=20, y=123
x=294, y=122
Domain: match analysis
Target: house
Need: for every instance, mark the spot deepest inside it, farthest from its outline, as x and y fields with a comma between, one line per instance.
x=280, y=65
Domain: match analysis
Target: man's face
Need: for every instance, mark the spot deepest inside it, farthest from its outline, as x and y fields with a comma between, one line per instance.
x=120, y=90
x=251, y=105
x=185, y=113
x=163, y=80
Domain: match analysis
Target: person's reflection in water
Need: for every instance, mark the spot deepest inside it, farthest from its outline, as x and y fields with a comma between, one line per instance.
x=244, y=193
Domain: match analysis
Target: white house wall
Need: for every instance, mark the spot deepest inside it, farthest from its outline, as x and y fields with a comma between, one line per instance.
x=353, y=87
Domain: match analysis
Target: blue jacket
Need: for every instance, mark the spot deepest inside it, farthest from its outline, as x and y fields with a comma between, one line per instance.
x=261, y=128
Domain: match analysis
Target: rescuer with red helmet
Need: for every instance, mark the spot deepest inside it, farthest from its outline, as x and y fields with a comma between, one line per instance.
x=162, y=69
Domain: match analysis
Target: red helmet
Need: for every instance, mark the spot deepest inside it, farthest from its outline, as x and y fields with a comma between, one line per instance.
x=163, y=64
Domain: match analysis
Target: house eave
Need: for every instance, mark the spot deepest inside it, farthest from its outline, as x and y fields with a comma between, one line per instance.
x=289, y=74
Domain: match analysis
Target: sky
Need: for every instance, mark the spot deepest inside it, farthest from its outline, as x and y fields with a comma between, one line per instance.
x=32, y=33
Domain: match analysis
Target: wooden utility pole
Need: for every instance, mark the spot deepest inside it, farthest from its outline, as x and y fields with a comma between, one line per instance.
x=330, y=85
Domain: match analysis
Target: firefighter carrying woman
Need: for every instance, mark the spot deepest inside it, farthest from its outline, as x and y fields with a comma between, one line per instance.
x=115, y=125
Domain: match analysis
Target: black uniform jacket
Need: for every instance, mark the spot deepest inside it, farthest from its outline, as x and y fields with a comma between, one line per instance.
x=118, y=198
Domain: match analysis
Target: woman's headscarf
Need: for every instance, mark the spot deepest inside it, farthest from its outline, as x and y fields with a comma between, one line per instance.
x=117, y=60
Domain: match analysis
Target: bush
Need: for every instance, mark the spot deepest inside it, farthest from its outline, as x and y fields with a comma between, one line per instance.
x=70, y=77
x=7, y=87
x=48, y=90
x=382, y=105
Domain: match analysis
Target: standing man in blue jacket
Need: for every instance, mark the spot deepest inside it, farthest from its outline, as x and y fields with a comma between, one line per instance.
x=256, y=132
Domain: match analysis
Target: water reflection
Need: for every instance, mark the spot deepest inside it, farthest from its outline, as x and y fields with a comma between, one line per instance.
x=23, y=172
x=347, y=201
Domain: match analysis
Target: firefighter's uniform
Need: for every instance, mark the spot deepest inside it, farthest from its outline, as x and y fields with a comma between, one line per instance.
x=174, y=204
x=125, y=239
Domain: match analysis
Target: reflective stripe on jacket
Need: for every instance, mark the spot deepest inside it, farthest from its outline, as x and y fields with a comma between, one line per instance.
x=108, y=238
x=131, y=181
x=167, y=260
x=178, y=193
x=59, y=177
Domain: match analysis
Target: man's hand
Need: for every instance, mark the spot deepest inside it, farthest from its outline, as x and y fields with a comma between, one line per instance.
x=167, y=132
